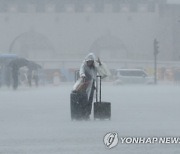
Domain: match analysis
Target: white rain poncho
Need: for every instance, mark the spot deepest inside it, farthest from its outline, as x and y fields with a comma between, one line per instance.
x=90, y=74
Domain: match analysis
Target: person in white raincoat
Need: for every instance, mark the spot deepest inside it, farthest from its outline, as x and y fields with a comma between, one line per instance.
x=88, y=72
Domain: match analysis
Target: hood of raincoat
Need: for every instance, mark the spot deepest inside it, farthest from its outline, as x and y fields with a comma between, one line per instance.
x=90, y=57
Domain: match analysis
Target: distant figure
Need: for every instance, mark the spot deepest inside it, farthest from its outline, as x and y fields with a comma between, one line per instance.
x=36, y=77
x=15, y=71
x=29, y=77
x=8, y=77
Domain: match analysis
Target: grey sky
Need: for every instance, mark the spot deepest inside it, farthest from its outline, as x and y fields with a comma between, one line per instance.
x=173, y=1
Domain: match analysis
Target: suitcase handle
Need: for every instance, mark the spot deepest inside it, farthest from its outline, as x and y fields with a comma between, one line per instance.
x=98, y=88
x=76, y=75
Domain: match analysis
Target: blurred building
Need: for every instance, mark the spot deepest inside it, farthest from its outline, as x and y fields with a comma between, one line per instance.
x=69, y=29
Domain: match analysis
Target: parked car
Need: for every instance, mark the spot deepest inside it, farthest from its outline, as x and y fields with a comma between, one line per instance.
x=132, y=76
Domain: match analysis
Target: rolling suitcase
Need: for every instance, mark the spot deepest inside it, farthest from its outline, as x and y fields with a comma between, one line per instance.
x=102, y=110
x=77, y=105
x=79, y=99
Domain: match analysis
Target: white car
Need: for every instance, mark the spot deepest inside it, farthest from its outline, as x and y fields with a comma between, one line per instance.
x=133, y=76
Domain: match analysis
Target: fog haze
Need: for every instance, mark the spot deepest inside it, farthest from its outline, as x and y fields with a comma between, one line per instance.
x=138, y=37
x=119, y=30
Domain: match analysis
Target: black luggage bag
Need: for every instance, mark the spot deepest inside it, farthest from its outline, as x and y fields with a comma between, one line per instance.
x=102, y=110
x=78, y=105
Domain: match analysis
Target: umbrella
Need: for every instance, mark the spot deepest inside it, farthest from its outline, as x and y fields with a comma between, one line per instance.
x=6, y=58
x=19, y=62
x=33, y=66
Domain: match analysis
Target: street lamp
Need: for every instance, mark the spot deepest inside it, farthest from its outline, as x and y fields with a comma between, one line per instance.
x=156, y=52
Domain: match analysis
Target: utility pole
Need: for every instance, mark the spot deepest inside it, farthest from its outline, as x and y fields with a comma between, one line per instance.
x=156, y=52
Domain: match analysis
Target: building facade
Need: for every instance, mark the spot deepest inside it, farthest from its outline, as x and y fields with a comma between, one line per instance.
x=69, y=29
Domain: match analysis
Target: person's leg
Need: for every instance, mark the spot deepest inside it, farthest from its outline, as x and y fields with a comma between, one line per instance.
x=15, y=82
x=89, y=102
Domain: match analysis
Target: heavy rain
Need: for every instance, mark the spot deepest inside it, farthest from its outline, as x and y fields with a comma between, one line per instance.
x=89, y=76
